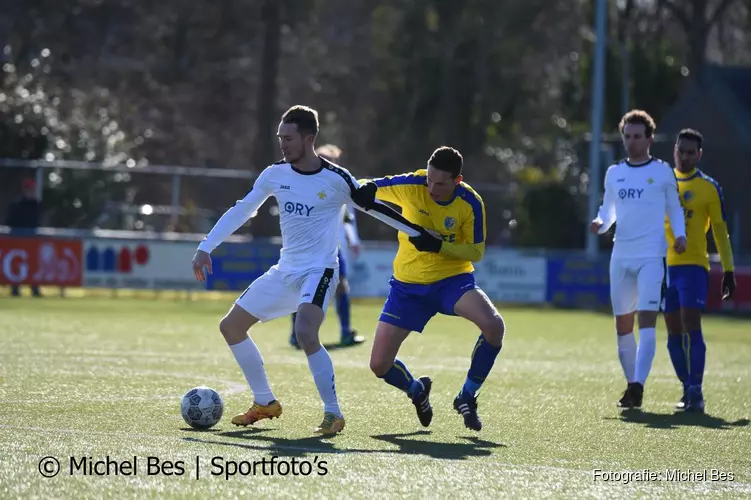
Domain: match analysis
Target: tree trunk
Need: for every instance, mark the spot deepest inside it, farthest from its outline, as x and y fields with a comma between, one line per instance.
x=267, y=88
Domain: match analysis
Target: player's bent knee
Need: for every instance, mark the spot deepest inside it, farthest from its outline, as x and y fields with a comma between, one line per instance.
x=342, y=287
x=380, y=366
x=494, y=330
x=231, y=330
x=624, y=324
x=307, y=323
x=235, y=325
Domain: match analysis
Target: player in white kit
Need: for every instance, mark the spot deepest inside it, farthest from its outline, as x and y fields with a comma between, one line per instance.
x=349, y=243
x=310, y=192
x=639, y=192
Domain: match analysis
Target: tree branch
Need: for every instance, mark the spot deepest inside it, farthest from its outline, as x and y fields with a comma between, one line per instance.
x=721, y=8
x=678, y=13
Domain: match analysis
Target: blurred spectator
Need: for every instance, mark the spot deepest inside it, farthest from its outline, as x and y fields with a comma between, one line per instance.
x=23, y=219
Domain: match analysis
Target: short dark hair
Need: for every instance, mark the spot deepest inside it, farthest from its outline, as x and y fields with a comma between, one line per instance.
x=638, y=117
x=690, y=134
x=447, y=159
x=304, y=117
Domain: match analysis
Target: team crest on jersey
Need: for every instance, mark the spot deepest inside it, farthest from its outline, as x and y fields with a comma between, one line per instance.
x=321, y=195
x=449, y=222
x=687, y=195
x=650, y=181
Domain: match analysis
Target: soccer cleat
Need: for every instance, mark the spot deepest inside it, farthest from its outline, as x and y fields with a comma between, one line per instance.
x=681, y=405
x=351, y=338
x=625, y=401
x=637, y=394
x=331, y=424
x=466, y=406
x=421, y=400
x=258, y=412
x=695, y=401
x=632, y=396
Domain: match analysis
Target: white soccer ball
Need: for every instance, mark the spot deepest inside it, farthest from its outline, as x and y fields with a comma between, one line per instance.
x=202, y=407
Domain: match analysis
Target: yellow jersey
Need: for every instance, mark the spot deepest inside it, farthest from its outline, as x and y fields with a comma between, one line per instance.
x=460, y=222
x=703, y=205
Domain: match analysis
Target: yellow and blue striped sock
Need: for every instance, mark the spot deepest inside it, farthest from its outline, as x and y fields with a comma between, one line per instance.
x=483, y=358
x=400, y=377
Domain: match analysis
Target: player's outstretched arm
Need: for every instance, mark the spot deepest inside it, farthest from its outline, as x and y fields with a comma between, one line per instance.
x=236, y=216
x=606, y=214
x=364, y=198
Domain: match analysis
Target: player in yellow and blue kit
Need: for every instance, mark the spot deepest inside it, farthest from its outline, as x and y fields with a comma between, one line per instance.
x=435, y=275
x=688, y=273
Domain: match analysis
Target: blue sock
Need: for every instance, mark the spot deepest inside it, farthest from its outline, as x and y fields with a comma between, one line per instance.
x=677, y=351
x=697, y=354
x=400, y=377
x=483, y=357
x=342, y=310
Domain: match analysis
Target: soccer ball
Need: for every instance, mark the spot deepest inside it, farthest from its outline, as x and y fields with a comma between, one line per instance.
x=202, y=407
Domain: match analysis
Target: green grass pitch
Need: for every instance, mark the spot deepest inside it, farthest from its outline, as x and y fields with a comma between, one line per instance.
x=103, y=377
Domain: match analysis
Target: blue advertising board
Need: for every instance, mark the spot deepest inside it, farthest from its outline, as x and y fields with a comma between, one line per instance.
x=236, y=265
x=578, y=282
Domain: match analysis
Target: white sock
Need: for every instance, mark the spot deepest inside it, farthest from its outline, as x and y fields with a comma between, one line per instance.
x=323, y=374
x=645, y=354
x=251, y=363
x=627, y=355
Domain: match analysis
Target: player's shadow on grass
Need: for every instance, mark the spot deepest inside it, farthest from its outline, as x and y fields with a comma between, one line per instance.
x=283, y=446
x=476, y=447
x=678, y=419
x=199, y=431
x=254, y=439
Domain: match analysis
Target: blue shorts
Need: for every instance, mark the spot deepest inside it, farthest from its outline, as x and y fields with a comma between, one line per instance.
x=410, y=306
x=342, y=265
x=686, y=288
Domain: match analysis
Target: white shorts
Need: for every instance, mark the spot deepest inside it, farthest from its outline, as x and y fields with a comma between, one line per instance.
x=277, y=294
x=636, y=284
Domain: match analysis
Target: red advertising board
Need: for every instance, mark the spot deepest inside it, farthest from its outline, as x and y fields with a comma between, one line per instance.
x=40, y=261
x=741, y=300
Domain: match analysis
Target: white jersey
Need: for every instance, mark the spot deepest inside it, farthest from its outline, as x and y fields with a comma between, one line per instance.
x=637, y=198
x=310, y=213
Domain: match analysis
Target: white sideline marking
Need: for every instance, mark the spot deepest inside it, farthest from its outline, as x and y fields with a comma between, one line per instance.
x=232, y=389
